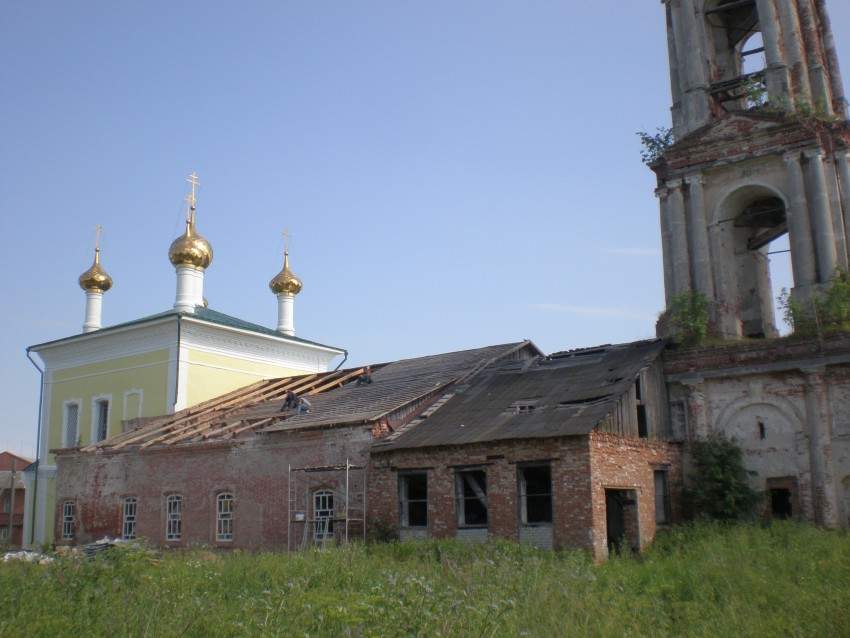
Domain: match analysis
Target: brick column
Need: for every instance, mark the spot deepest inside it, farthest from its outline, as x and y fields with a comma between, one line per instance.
x=799, y=228
x=698, y=232
x=698, y=426
x=792, y=43
x=679, y=237
x=818, y=419
x=776, y=72
x=666, y=248
x=823, y=234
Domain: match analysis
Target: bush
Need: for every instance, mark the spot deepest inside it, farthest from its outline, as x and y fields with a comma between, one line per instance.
x=688, y=316
x=827, y=311
x=717, y=488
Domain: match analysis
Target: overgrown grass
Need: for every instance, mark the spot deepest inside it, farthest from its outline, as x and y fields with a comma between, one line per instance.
x=786, y=579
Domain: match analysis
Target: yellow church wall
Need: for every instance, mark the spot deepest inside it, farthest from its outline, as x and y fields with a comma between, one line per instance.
x=210, y=375
x=147, y=373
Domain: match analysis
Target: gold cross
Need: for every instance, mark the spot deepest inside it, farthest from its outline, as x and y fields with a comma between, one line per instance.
x=286, y=237
x=190, y=198
x=98, y=231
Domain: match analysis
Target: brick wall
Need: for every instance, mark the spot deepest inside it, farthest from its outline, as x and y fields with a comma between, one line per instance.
x=582, y=467
x=255, y=471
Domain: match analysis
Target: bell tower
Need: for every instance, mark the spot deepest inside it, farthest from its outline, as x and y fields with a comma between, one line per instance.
x=761, y=147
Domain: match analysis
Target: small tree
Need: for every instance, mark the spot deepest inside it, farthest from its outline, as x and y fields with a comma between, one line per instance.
x=655, y=144
x=688, y=318
x=827, y=311
x=717, y=487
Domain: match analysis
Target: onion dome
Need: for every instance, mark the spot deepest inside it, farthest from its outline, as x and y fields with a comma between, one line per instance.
x=285, y=283
x=95, y=278
x=190, y=249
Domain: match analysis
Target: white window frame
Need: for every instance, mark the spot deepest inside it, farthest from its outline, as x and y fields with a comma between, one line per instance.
x=129, y=510
x=522, y=488
x=173, y=517
x=127, y=395
x=69, y=514
x=224, y=507
x=66, y=438
x=96, y=405
x=323, y=514
x=404, y=500
x=466, y=478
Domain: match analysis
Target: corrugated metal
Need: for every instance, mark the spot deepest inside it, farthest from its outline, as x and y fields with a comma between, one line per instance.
x=570, y=393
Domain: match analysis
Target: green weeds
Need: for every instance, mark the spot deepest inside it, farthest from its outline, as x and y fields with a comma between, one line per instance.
x=785, y=579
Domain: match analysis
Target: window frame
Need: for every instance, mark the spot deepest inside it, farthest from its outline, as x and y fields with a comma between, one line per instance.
x=405, y=501
x=323, y=524
x=129, y=512
x=69, y=519
x=100, y=405
x=173, y=518
x=224, y=517
x=464, y=500
x=523, y=495
x=66, y=407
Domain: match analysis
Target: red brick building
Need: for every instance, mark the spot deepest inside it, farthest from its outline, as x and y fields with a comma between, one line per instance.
x=12, y=498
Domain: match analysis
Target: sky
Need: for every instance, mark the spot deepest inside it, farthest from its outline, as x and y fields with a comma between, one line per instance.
x=453, y=173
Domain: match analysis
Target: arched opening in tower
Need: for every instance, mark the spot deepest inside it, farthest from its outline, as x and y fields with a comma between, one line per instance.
x=762, y=262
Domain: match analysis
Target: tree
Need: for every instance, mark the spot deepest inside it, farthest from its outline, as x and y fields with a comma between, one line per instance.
x=717, y=487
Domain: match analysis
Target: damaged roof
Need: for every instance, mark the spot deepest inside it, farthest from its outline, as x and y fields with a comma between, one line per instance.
x=564, y=394
x=335, y=397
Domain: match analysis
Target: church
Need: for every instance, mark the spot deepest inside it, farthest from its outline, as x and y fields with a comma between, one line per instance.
x=191, y=440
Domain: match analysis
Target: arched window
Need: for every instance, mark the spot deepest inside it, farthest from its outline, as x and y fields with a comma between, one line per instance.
x=323, y=515
x=224, y=517
x=173, y=517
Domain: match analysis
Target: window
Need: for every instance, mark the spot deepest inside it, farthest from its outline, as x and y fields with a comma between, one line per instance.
x=413, y=500
x=224, y=517
x=7, y=505
x=4, y=534
x=70, y=435
x=100, y=415
x=471, y=498
x=68, y=513
x=323, y=513
x=128, y=529
x=662, y=497
x=535, y=494
x=173, y=526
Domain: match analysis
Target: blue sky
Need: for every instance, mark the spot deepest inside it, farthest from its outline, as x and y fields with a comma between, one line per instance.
x=454, y=173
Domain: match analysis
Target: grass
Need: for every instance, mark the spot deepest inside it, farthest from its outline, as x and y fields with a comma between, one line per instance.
x=786, y=579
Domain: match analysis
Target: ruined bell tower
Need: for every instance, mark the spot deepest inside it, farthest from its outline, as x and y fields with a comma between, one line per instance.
x=762, y=148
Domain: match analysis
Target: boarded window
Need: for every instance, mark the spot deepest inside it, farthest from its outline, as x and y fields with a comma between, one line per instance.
x=535, y=494
x=471, y=498
x=413, y=499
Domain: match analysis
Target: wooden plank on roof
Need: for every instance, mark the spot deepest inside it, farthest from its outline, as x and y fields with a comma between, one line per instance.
x=336, y=382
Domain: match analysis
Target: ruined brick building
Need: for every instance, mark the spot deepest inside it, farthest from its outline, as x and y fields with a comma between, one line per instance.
x=578, y=448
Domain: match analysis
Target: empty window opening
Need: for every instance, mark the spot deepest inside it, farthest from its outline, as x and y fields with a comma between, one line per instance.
x=101, y=419
x=70, y=436
x=642, y=424
x=738, y=54
x=224, y=517
x=761, y=429
x=678, y=421
x=413, y=500
x=662, y=497
x=7, y=504
x=128, y=525
x=471, y=498
x=535, y=494
x=780, y=503
x=173, y=517
x=69, y=511
x=323, y=515
x=621, y=520
x=584, y=401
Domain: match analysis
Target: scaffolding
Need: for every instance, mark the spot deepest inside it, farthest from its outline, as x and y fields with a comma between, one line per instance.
x=326, y=505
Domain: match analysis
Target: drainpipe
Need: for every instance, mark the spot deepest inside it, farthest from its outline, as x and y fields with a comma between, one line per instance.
x=37, y=448
x=177, y=369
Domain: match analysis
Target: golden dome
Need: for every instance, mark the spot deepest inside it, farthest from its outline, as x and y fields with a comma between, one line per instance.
x=190, y=249
x=95, y=278
x=285, y=282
